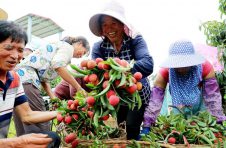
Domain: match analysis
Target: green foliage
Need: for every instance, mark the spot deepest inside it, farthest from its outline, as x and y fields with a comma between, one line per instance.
x=53, y=84
x=215, y=32
x=12, y=130
x=222, y=7
x=197, y=129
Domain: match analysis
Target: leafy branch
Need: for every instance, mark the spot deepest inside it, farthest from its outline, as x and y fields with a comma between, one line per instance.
x=215, y=32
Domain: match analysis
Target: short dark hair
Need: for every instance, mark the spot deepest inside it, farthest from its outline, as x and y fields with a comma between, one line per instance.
x=81, y=39
x=9, y=29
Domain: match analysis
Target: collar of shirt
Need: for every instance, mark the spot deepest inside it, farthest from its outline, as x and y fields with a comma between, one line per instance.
x=4, y=87
x=106, y=43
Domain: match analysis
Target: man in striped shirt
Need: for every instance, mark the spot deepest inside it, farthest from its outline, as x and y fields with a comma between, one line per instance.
x=12, y=41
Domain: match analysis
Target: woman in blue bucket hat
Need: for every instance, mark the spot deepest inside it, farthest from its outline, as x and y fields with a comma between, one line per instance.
x=192, y=85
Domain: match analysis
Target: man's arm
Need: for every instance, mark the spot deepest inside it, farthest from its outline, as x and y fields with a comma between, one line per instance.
x=30, y=117
x=26, y=141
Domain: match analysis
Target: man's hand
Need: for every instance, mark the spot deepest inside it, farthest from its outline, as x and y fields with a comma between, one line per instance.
x=32, y=141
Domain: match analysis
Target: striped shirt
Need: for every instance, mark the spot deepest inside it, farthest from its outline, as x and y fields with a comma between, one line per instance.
x=11, y=95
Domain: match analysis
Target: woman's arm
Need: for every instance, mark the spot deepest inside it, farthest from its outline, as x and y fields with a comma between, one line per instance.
x=207, y=70
x=68, y=77
x=46, y=86
x=160, y=81
x=210, y=75
x=212, y=96
x=30, y=117
x=155, y=103
x=96, y=51
x=144, y=62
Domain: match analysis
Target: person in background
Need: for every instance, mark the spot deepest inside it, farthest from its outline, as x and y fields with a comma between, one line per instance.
x=27, y=51
x=120, y=40
x=192, y=85
x=43, y=65
x=12, y=41
x=34, y=44
x=65, y=91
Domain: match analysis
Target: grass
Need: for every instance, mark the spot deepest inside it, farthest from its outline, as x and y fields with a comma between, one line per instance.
x=12, y=130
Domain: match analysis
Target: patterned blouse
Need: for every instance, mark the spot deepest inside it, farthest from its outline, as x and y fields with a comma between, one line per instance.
x=40, y=65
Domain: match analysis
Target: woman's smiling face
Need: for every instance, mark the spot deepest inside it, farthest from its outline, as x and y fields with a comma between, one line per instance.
x=112, y=28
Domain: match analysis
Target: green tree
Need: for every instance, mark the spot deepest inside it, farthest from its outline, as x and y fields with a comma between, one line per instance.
x=215, y=32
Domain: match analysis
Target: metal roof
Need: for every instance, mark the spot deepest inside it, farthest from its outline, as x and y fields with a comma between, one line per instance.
x=40, y=26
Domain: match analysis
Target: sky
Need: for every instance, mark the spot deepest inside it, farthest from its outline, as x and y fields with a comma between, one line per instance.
x=159, y=21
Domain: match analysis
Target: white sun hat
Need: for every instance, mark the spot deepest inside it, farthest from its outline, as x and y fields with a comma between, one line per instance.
x=182, y=54
x=113, y=9
x=3, y=14
x=35, y=43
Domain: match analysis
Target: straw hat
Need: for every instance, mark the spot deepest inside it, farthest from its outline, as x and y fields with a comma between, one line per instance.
x=113, y=9
x=182, y=54
x=3, y=15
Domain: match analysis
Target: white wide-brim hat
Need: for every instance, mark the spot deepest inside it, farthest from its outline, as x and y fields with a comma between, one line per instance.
x=182, y=54
x=36, y=43
x=113, y=9
x=3, y=14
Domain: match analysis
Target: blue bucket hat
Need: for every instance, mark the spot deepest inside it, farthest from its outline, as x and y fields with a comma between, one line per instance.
x=182, y=54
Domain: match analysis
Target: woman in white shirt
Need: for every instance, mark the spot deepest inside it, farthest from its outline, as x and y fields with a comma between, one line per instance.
x=43, y=65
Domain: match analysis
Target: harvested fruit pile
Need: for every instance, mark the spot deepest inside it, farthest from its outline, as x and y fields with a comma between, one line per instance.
x=176, y=129
x=111, y=85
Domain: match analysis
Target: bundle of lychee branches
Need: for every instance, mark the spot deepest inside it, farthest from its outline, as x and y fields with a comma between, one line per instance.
x=198, y=129
x=111, y=85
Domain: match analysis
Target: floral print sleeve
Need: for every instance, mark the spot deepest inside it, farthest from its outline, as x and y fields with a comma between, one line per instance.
x=41, y=64
x=63, y=55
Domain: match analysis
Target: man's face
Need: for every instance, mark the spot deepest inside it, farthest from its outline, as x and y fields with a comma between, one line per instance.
x=10, y=54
